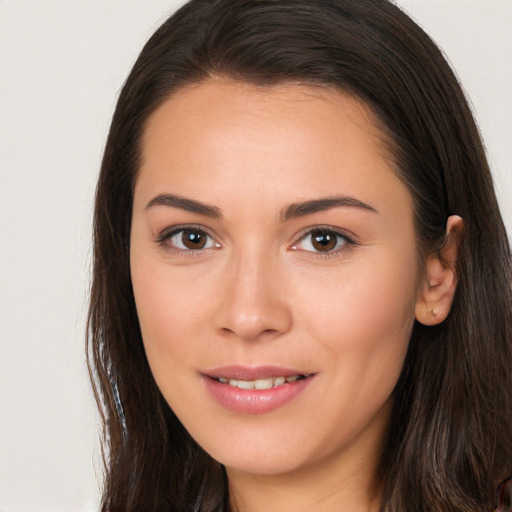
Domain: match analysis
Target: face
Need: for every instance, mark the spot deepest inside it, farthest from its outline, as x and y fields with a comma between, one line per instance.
x=274, y=270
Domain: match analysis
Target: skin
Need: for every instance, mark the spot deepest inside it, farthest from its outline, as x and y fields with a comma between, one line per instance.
x=261, y=293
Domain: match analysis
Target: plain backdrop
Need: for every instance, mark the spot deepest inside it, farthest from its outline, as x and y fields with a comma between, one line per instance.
x=62, y=63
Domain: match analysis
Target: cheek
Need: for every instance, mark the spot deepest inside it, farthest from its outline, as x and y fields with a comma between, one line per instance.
x=174, y=306
x=364, y=321
x=164, y=312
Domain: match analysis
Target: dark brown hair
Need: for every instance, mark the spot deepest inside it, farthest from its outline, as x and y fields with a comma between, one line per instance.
x=450, y=436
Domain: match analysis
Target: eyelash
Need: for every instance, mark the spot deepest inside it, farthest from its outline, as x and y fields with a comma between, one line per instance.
x=164, y=239
x=342, y=241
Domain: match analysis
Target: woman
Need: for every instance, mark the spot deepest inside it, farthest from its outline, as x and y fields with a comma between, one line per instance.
x=301, y=292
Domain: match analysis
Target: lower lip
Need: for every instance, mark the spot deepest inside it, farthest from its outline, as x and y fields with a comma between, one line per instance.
x=255, y=401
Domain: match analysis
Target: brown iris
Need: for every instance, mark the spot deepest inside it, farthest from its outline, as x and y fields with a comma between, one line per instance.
x=193, y=239
x=323, y=241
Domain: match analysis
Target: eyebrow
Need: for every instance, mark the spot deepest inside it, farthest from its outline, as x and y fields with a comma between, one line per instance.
x=189, y=205
x=295, y=210
x=319, y=205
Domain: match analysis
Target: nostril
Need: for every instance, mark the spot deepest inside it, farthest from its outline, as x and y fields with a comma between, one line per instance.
x=252, y=307
x=248, y=333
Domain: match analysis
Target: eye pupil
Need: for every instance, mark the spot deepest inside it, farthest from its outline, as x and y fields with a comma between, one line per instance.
x=323, y=240
x=193, y=239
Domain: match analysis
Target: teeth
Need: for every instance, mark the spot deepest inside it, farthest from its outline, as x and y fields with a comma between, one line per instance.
x=279, y=381
x=269, y=383
x=264, y=383
x=242, y=384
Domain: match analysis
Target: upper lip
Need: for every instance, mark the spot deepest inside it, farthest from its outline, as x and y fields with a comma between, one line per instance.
x=239, y=372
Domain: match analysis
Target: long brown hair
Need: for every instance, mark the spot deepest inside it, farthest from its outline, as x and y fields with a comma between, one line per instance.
x=450, y=440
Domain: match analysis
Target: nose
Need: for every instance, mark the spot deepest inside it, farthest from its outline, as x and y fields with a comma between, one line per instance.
x=253, y=303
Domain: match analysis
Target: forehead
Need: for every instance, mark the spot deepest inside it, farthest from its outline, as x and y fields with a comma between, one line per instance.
x=235, y=106
x=223, y=137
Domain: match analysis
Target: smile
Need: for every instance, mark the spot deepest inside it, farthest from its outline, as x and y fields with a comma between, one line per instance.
x=268, y=383
x=255, y=390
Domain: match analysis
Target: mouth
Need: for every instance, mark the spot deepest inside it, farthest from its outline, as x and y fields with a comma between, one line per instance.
x=266, y=383
x=255, y=389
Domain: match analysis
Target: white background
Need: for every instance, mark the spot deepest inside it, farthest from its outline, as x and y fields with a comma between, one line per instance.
x=62, y=63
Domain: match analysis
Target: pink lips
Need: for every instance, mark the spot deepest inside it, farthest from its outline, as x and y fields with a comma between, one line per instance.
x=253, y=401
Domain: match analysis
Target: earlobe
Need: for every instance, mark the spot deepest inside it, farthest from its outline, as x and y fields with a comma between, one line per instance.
x=440, y=282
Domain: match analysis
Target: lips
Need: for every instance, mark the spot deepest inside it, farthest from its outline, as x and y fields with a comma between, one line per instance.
x=255, y=390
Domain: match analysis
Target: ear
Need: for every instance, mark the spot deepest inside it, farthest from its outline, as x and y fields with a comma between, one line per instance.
x=435, y=296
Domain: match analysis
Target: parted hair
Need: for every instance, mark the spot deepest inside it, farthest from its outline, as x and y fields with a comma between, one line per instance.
x=449, y=441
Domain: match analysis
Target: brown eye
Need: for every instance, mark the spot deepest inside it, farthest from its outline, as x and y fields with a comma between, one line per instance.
x=187, y=240
x=194, y=238
x=324, y=241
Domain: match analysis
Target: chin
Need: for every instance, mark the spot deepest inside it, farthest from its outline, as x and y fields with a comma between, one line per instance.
x=261, y=454
x=260, y=464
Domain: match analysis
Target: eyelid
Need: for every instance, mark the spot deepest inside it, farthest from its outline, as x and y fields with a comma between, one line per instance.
x=167, y=233
x=347, y=236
